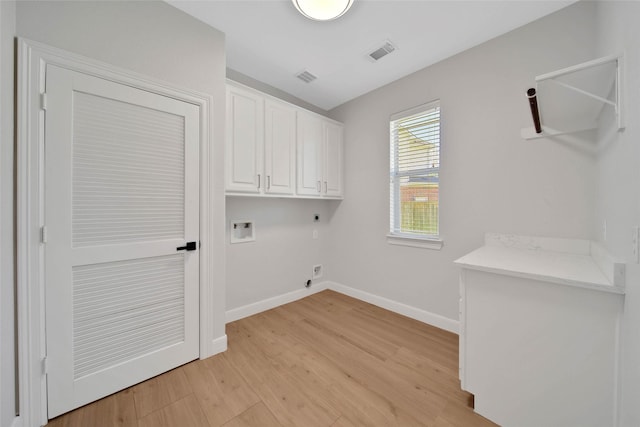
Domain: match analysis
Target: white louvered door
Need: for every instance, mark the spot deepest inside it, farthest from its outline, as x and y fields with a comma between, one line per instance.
x=121, y=195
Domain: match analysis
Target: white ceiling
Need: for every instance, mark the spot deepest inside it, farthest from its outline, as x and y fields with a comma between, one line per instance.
x=270, y=41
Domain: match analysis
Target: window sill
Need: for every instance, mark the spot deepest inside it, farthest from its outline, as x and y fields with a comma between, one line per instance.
x=415, y=242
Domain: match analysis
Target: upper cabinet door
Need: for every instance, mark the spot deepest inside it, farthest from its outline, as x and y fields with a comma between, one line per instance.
x=310, y=143
x=280, y=148
x=245, y=141
x=333, y=165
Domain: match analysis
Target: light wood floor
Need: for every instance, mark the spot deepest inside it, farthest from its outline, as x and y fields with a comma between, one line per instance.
x=326, y=360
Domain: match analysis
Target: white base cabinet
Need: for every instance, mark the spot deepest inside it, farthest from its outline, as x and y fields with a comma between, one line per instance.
x=538, y=350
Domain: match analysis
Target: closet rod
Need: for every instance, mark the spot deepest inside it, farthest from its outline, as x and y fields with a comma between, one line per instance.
x=533, y=104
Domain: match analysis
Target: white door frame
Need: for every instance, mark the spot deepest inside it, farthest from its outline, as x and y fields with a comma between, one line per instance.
x=33, y=58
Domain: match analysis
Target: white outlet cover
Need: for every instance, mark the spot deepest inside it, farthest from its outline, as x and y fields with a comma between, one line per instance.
x=317, y=271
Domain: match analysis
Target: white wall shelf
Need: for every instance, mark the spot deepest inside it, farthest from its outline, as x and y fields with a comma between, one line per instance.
x=574, y=99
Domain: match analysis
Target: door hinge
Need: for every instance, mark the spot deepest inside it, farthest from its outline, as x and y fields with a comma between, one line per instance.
x=43, y=101
x=43, y=234
x=45, y=366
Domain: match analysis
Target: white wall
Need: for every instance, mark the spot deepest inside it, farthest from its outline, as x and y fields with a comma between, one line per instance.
x=618, y=189
x=7, y=326
x=491, y=180
x=284, y=253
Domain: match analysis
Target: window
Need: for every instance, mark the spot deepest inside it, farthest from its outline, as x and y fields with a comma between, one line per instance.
x=414, y=172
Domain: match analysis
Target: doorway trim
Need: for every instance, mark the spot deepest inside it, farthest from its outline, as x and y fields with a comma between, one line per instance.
x=33, y=57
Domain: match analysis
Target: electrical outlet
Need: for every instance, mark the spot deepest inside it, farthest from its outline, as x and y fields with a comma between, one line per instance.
x=315, y=234
x=635, y=244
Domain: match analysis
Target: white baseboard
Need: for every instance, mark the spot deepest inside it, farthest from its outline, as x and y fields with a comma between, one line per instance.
x=397, y=307
x=219, y=345
x=269, y=303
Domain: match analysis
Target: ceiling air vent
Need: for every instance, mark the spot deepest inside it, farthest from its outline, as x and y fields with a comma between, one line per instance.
x=306, y=76
x=386, y=49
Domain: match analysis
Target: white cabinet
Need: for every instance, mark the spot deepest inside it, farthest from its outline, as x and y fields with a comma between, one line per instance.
x=333, y=161
x=310, y=137
x=320, y=156
x=279, y=148
x=274, y=148
x=539, y=332
x=261, y=144
x=245, y=141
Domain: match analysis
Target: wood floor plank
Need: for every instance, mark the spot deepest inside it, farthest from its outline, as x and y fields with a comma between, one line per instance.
x=371, y=373
x=444, y=352
x=291, y=405
x=316, y=375
x=313, y=372
x=220, y=389
x=340, y=322
x=343, y=422
x=428, y=374
x=70, y=419
x=256, y=416
x=161, y=391
x=440, y=335
x=333, y=302
x=115, y=410
x=184, y=412
x=357, y=355
x=460, y=416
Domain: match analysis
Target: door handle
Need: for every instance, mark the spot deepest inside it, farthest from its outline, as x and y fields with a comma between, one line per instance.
x=190, y=246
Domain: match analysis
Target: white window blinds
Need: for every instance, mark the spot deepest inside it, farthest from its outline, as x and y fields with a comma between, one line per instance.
x=415, y=166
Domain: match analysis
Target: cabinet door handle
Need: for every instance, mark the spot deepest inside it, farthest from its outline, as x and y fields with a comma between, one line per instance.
x=326, y=188
x=268, y=182
x=258, y=180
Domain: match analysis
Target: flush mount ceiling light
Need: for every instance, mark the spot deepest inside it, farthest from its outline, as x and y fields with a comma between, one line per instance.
x=322, y=10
